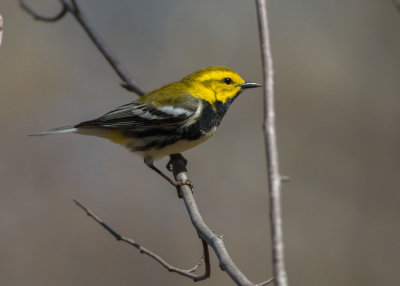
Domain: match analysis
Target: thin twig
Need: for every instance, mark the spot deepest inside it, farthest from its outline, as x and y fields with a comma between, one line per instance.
x=39, y=17
x=143, y=250
x=266, y=282
x=1, y=28
x=271, y=147
x=127, y=81
x=72, y=7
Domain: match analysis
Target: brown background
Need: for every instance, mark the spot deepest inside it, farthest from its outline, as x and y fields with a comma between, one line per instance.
x=337, y=84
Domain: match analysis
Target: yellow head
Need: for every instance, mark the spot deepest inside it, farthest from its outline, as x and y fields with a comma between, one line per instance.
x=216, y=83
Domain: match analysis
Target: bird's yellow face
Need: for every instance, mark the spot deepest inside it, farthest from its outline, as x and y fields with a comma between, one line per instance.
x=215, y=83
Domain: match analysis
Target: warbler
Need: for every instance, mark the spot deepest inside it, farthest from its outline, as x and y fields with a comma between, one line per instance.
x=170, y=119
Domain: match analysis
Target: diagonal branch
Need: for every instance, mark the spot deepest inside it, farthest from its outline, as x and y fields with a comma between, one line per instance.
x=215, y=241
x=266, y=282
x=1, y=28
x=159, y=259
x=271, y=147
x=72, y=7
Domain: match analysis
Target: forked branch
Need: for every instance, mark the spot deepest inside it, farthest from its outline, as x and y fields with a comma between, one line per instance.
x=215, y=241
x=188, y=273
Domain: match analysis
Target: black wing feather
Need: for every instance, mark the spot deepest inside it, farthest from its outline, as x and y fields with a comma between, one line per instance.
x=138, y=114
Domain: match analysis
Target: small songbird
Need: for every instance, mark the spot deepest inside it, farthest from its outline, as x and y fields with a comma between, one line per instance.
x=171, y=119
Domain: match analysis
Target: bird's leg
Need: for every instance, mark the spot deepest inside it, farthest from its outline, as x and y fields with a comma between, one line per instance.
x=149, y=162
x=175, y=157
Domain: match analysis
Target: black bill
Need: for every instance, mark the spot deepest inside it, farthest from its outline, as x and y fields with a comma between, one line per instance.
x=249, y=85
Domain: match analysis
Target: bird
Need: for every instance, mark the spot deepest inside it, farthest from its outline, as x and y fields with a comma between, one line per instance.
x=168, y=120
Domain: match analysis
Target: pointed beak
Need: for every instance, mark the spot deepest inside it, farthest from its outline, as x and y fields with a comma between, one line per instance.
x=249, y=85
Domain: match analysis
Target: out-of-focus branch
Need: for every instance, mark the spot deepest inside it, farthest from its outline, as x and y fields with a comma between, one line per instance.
x=397, y=4
x=271, y=147
x=72, y=7
x=1, y=28
x=143, y=250
x=43, y=18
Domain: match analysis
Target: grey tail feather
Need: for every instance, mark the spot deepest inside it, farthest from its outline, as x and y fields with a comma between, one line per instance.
x=66, y=129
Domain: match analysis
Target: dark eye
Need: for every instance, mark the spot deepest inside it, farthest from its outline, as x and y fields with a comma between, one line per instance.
x=227, y=80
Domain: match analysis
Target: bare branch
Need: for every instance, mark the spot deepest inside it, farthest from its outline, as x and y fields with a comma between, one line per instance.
x=266, y=282
x=72, y=7
x=127, y=81
x=1, y=28
x=215, y=241
x=39, y=17
x=397, y=4
x=271, y=147
x=166, y=265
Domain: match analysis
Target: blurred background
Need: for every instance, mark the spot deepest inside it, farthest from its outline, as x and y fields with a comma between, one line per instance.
x=337, y=67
